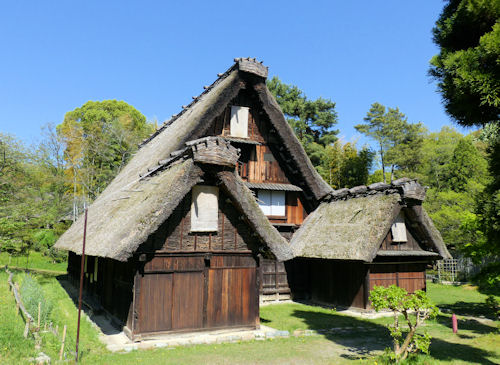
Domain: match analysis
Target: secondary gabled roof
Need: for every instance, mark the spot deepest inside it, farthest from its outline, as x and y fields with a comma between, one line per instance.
x=121, y=220
x=353, y=224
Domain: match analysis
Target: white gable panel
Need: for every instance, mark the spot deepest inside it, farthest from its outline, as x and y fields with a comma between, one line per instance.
x=205, y=209
x=239, y=121
x=398, y=229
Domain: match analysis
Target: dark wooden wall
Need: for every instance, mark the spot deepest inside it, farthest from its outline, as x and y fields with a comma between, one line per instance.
x=274, y=282
x=348, y=283
x=411, y=245
x=112, y=289
x=196, y=291
x=233, y=233
x=409, y=276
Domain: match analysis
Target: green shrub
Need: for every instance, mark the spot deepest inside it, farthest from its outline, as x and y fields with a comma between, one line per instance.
x=415, y=308
x=32, y=294
x=494, y=304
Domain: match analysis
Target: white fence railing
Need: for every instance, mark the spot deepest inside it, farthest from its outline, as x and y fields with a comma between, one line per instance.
x=455, y=270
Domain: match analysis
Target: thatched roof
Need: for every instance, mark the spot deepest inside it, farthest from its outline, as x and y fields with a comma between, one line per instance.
x=121, y=220
x=353, y=224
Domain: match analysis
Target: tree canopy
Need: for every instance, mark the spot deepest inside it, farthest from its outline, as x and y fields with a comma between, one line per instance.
x=398, y=141
x=99, y=138
x=313, y=121
x=467, y=68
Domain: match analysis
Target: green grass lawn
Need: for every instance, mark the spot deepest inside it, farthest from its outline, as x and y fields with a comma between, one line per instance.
x=354, y=340
x=35, y=260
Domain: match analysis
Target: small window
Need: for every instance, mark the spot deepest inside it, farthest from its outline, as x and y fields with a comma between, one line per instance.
x=272, y=202
x=239, y=121
x=205, y=209
x=398, y=229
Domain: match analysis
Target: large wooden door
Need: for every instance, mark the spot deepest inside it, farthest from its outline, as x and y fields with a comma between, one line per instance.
x=185, y=293
x=232, y=292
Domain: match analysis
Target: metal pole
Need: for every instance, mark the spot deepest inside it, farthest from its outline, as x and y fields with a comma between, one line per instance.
x=81, y=285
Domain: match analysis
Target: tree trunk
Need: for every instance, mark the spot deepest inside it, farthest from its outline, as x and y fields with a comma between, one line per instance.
x=382, y=161
x=404, y=348
x=392, y=173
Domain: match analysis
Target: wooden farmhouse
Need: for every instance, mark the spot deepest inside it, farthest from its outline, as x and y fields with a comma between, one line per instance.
x=207, y=219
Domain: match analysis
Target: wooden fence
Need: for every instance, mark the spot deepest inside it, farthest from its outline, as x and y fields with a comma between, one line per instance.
x=30, y=326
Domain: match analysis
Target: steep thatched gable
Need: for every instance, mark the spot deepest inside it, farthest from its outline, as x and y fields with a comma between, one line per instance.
x=122, y=220
x=353, y=224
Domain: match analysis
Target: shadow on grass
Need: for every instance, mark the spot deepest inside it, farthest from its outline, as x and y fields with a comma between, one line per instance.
x=469, y=309
x=449, y=351
x=362, y=338
x=108, y=326
x=466, y=324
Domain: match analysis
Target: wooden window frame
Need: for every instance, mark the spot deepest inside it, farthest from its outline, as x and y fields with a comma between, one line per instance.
x=275, y=217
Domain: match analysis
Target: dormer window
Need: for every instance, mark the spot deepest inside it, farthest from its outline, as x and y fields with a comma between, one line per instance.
x=272, y=202
x=239, y=121
x=205, y=208
x=398, y=229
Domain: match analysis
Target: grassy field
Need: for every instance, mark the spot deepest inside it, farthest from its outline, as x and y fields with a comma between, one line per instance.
x=353, y=340
x=35, y=260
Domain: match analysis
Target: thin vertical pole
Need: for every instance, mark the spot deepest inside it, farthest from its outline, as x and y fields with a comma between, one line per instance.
x=81, y=285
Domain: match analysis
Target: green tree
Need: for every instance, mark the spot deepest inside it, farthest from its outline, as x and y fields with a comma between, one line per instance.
x=468, y=74
x=32, y=195
x=99, y=139
x=436, y=153
x=399, y=141
x=467, y=68
x=466, y=164
x=313, y=121
x=344, y=166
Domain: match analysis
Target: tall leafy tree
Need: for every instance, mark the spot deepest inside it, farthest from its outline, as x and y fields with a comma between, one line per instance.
x=313, y=121
x=468, y=74
x=32, y=196
x=467, y=68
x=99, y=138
x=398, y=141
x=467, y=164
x=344, y=166
x=436, y=153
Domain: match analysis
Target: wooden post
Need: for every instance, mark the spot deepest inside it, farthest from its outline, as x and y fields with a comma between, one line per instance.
x=27, y=328
x=39, y=313
x=62, y=345
x=81, y=284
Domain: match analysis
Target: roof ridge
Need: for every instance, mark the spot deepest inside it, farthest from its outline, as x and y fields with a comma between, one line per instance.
x=403, y=186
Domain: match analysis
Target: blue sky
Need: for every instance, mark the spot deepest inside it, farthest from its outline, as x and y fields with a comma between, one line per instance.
x=155, y=55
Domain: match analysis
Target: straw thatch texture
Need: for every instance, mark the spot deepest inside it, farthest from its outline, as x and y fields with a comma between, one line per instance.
x=429, y=231
x=346, y=229
x=245, y=202
x=119, y=223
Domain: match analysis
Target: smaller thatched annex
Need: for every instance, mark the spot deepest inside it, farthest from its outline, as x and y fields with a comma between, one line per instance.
x=361, y=237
